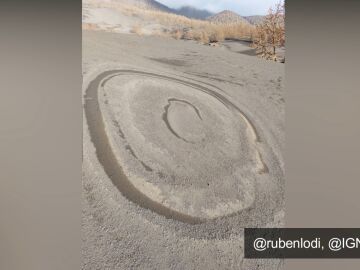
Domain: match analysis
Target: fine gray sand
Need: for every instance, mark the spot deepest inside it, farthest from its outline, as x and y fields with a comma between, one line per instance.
x=183, y=148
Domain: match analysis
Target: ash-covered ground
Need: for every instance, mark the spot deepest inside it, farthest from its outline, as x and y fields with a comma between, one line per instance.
x=183, y=148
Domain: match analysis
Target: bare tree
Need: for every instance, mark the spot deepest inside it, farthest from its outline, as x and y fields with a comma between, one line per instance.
x=270, y=33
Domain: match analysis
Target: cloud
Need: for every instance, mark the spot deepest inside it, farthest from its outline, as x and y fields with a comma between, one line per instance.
x=243, y=7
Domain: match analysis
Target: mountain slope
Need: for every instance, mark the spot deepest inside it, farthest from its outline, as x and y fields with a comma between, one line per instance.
x=193, y=13
x=226, y=17
x=147, y=4
x=256, y=19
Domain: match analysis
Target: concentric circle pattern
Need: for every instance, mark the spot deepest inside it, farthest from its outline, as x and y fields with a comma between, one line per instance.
x=185, y=150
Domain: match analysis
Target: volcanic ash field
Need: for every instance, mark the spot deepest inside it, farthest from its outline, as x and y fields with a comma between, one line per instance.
x=175, y=165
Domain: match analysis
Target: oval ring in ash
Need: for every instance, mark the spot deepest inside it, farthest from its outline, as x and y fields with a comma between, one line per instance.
x=174, y=112
x=166, y=116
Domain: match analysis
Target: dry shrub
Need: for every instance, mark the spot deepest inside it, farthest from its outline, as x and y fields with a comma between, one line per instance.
x=197, y=35
x=238, y=31
x=188, y=34
x=177, y=34
x=90, y=26
x=270, y=33
x=204, y=37
x=137, y=29
x=217, y=34
x=159, y=33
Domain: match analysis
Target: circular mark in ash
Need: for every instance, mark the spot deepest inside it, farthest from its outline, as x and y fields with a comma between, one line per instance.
x=206, y=150
x=183, y=119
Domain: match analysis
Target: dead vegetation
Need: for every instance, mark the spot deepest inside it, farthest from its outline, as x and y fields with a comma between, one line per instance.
x=181, y=27
x=206, y=32
x=137, y=29
x=90, y=26
x=270, y=33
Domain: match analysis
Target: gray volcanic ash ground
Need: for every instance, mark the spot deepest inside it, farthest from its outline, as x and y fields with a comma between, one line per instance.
x=183, y=148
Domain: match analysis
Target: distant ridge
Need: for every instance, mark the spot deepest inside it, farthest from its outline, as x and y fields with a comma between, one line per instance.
x=226, y=17
x=147, y=4
x=255, y=19
x=223, y=17
x=193, y=13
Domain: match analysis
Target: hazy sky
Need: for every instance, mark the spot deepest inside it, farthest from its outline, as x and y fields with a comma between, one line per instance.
x=243, y=7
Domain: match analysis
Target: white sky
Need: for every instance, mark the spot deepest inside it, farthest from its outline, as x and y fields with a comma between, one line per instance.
x=243, y=7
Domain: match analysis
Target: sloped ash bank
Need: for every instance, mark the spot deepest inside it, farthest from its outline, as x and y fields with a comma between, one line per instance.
x=181, y=149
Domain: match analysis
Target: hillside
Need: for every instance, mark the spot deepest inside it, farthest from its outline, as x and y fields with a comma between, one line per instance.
x=146, y=4
x=146, y=17
x=226, y=17
x=256, y=19
x=193, y=13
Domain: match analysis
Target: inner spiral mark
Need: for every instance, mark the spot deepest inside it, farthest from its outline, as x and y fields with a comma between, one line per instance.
x=166, y=112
